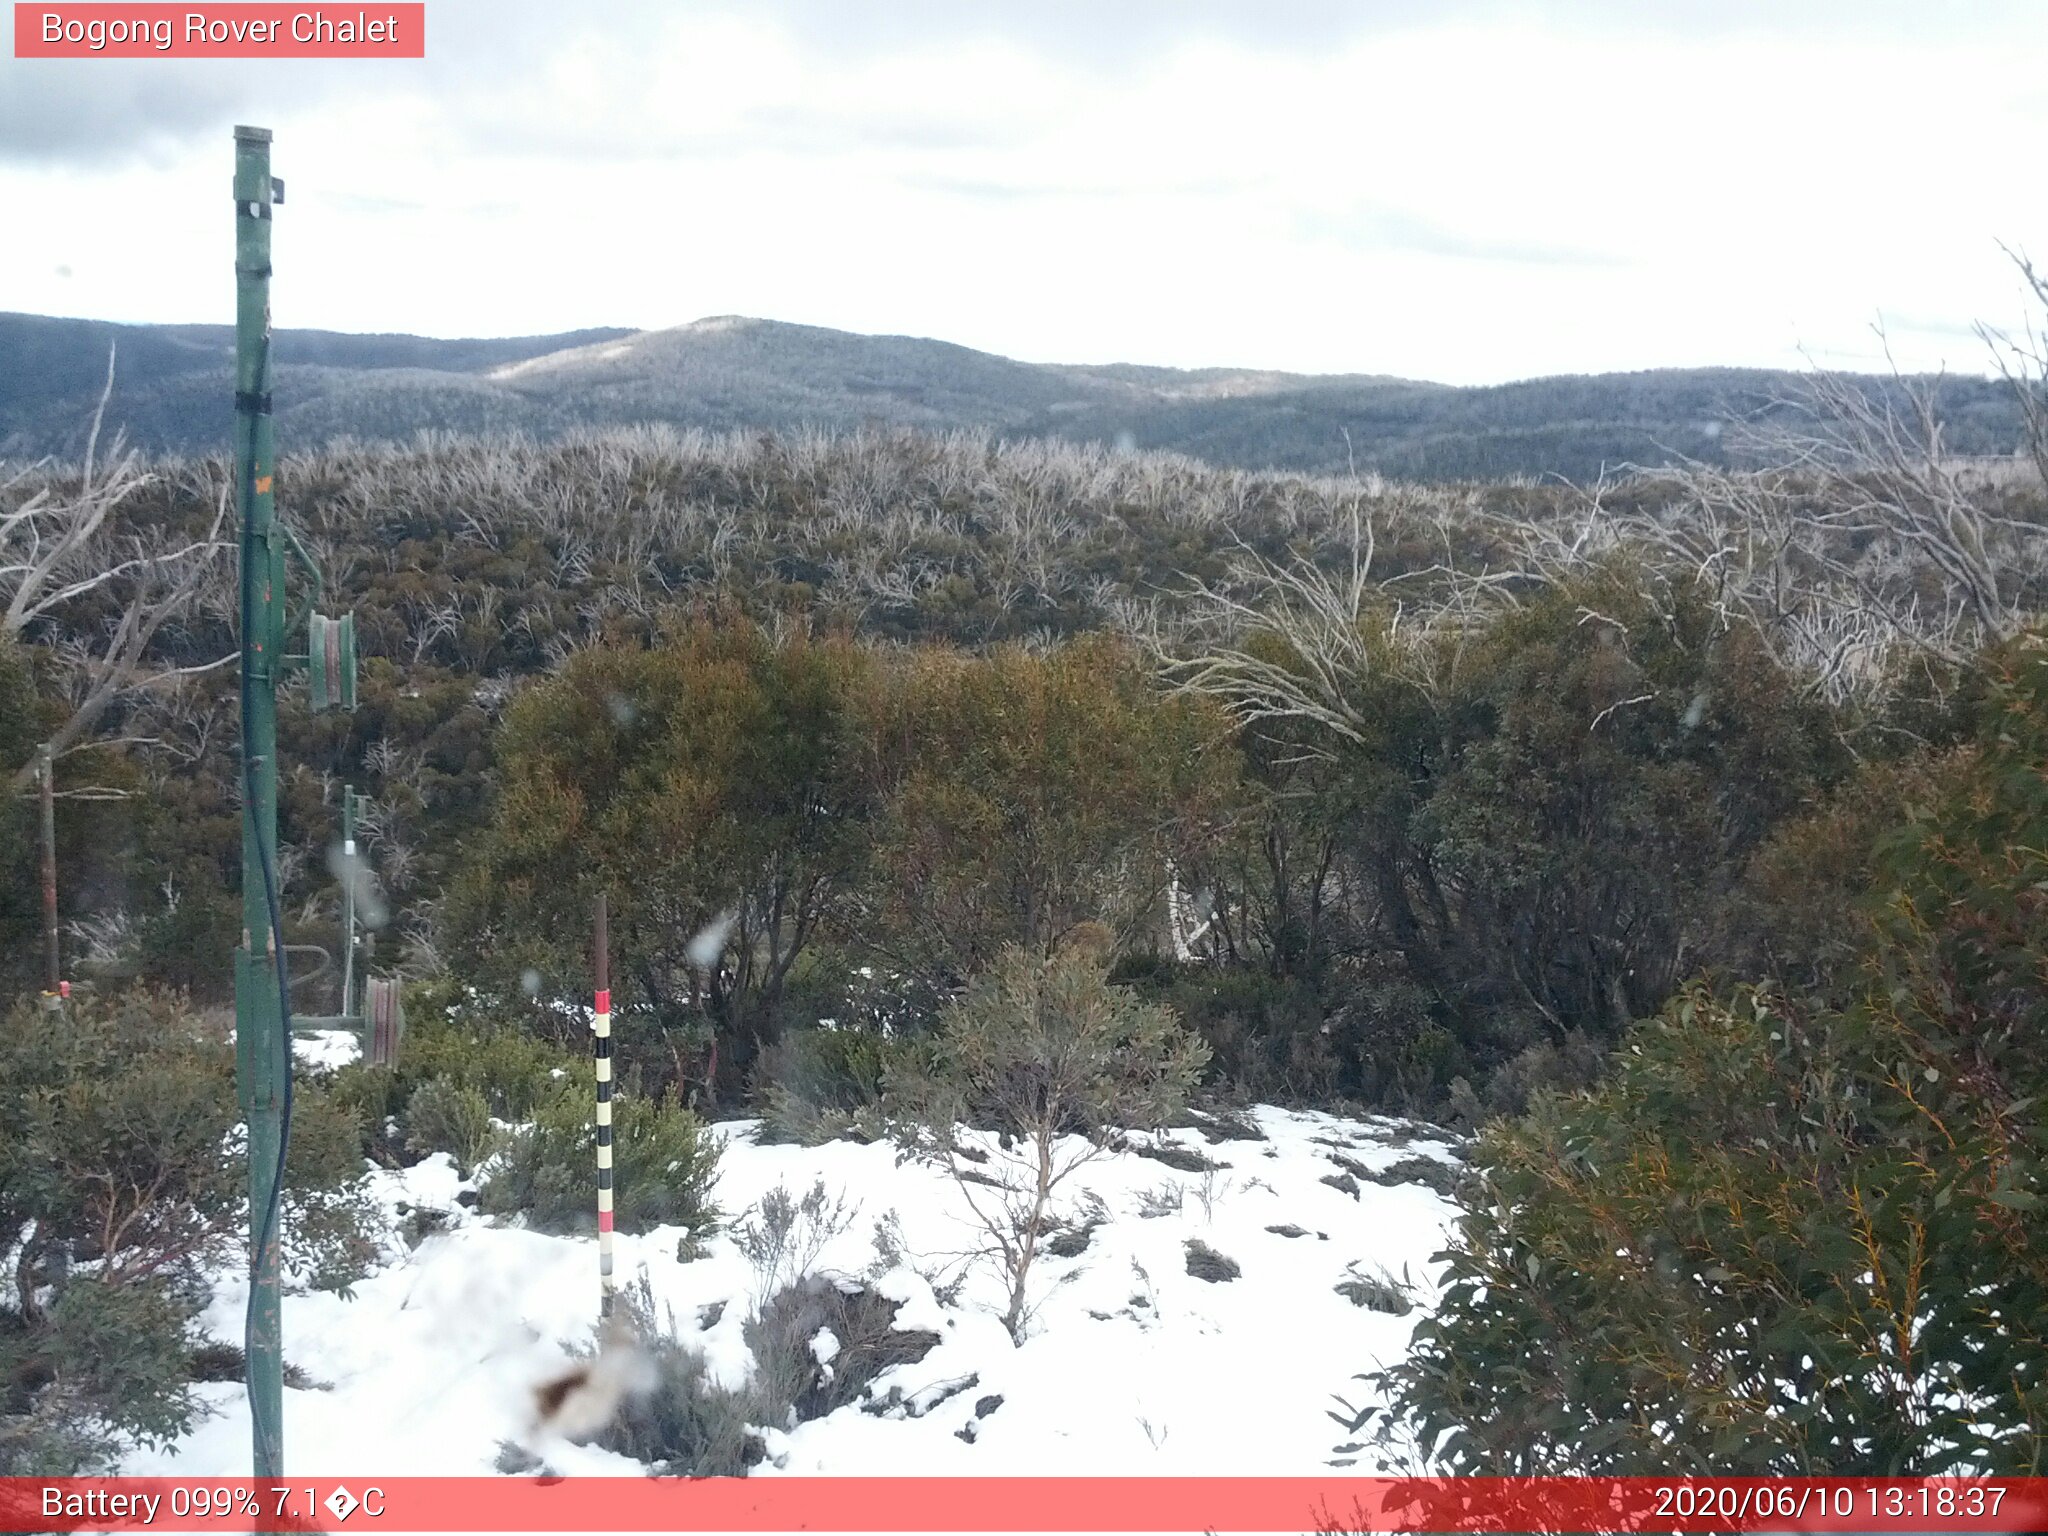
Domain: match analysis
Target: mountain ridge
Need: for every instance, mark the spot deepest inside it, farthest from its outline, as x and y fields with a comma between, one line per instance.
x=173, y=388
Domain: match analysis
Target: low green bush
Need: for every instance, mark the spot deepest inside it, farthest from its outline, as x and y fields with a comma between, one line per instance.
x=1264, y=1033
x=107, y=1361
x=332, y=1224
x=865, y=1342
x=445, y=1116
x=664, y=1161
x=1790, y=1235
x=686, y=1425
x=820, y=1084
x=117, y=1190
x=474, y=1046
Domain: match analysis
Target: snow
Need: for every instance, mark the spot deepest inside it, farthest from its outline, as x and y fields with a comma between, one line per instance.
x=825, y=1347
x=1129, y=1365
x=322, y=1049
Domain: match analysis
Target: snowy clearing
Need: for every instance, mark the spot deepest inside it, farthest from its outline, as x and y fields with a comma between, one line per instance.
x=1131, y=1364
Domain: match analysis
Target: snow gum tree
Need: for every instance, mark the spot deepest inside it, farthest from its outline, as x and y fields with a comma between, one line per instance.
x=712, y=784
x=1791, y=1235
x=1032, y=794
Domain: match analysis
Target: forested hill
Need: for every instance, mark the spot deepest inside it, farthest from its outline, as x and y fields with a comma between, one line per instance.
x=173, y=391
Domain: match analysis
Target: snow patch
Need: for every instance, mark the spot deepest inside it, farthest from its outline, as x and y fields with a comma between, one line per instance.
x=1128, y=1364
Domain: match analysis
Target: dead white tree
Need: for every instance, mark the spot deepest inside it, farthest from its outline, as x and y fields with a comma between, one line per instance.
x=1295, y=641
x=93, y=594
x=2022, y=360
x=1860, y=547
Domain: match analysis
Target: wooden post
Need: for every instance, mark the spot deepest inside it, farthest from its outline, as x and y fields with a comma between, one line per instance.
x=53, y=983
x=602, y=1024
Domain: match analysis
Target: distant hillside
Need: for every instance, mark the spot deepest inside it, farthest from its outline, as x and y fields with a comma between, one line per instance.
x=173, y=390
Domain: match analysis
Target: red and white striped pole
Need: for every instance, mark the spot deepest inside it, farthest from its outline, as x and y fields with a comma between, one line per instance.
x=602, y=1024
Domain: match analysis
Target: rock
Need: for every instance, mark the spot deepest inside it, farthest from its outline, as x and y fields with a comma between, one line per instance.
x=1227, y=1125
x=1444, y=1178
x=514, y=1460
x=1289, y=1229
x=1186, y=1159
x=1376, y=1294
x=1071, y=1243
x=1342, y=1181
x=985, y=1406
x=1205, y=1263
x=1353, y=1166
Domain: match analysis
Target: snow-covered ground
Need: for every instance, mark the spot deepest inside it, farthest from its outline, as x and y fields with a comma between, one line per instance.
x=1131, y=1365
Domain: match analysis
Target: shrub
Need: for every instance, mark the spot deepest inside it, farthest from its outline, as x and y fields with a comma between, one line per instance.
x=1026, y=795
x=1264, y=1033
x=1042, y=1049
x=819, y=1342
x=820, y=1084
x=1576, y=1062
x=114, y=1129
x=1786, y=1237
x=470, y=1043
x=1740, y=1254
x=107, y=1361
x=1317, y=1040
x=331, y=1221
x=664, y=1160
x=783, y=1237
x=1509, y=832
x=1818, y=870
x=370, y=1096
x=444, y=1116
x=1643, y=1275
x=717, y=779
x=817, y=1345
x=686, y=1425
x=116, y=1189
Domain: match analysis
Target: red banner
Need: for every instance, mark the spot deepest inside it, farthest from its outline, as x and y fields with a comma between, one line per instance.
x=262, y=31
x=964, y=1504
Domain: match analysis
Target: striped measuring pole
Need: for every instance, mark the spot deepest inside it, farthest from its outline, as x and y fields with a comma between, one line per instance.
x=601, y=1023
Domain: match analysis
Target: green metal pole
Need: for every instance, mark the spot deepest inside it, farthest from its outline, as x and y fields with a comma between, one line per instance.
x=263, y=1054
x=348, y=899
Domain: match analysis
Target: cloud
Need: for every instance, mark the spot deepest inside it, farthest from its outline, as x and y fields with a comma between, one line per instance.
x=499, y=64
x=102, y=112
x=1469, y=192
x=1393, y=229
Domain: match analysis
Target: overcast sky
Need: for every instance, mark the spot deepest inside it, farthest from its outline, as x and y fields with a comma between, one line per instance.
x=1465, y=192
